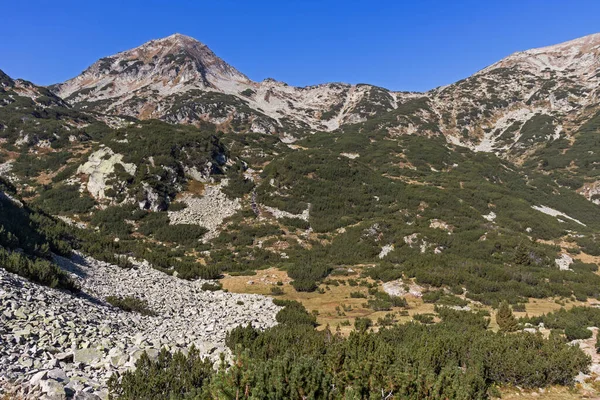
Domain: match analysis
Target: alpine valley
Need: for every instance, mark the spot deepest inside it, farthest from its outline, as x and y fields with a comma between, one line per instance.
x=171, y=229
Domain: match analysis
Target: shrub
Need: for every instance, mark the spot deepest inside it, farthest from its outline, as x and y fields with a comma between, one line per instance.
x=362, y=324
x=177, y=206
x=186, y=234
x=276, y=291
x=505, y=318
x=304, y=285
x=519, y=307
x=293, y=360
x=294, y=313
x=212, y=286
x=64, y=198
x=170, y=376
x=130, y=304
x=574, y=332
x=423, y=318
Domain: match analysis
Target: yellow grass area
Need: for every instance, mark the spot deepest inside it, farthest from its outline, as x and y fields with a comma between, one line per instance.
x=551, y=393
x=194, y=187
x=586, y=258
x=326, y=303
x=339, y=297
x=335, y=306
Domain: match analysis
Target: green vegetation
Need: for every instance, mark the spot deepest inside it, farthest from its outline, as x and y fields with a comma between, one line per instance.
x=59, y=199
x=247, y=92
x=384, y=302
x=130, y=304
x=505, y=318
x=277, y=291
x=213, y=287
x=456, y=358
x=27, y=240
x=573, y=323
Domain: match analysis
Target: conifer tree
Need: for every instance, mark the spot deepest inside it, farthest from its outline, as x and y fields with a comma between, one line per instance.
x=505, y=318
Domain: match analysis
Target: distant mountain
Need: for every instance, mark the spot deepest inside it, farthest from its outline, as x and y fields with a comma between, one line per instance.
x=525, y=100
x=149, y=127
x=180, y=80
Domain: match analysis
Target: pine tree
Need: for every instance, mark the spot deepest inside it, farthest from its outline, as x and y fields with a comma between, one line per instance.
x=505, y=318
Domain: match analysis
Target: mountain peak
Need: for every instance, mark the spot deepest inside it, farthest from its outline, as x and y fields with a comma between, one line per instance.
x=173, y=42
x=579, y=56
x=168, y=65
x=180, y=37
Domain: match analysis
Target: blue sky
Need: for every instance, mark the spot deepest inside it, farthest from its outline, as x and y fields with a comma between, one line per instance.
x=400, y=45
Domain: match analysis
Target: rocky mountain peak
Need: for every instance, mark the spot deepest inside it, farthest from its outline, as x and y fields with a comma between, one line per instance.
x=579, y=57
x=169, y=65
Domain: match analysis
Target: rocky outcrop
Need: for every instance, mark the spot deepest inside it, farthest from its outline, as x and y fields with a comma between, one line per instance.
x=209, y=210
x=62, y=344
x=99, y=166
x=399, y=288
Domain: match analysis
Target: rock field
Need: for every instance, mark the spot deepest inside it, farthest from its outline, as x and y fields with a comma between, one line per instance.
x=55, y=345
x=209, y=210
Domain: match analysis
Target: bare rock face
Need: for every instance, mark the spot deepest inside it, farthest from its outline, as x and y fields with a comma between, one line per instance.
x=99, y=166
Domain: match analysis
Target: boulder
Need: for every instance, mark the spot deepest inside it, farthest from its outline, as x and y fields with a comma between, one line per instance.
x=54, y=390
x=87, y=356
x=38, y=378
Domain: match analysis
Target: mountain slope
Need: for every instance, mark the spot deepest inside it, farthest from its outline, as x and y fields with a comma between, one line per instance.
x=524, y=101
x=407, y=166
x=180, y=80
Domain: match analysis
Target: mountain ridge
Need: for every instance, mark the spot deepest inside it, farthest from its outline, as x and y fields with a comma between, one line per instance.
x=203, y=87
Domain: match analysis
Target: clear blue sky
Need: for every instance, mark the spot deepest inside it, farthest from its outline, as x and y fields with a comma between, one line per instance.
x=400, y=45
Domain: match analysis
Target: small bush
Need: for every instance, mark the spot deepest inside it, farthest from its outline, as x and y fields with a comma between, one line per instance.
x=276, y=291
x=304, y=285
x=293, y=313
x=130, y=304
x=362, y=324
x=574, y=332
x=212, y=287
x=424, y=318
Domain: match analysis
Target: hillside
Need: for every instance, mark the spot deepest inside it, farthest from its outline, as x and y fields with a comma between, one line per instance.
x=163, y=165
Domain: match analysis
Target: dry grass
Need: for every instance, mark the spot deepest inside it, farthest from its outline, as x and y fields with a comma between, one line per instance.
x=195, y=187
x=330, y=304
x=551, y=393
x=327, y=304
x=586, y=258
x=336, y=297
